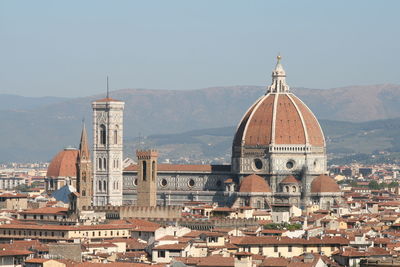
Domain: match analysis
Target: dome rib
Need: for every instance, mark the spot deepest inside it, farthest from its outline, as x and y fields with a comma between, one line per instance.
x=258, y=127
x=316, y=135
x=238, y=139
x=301, y=118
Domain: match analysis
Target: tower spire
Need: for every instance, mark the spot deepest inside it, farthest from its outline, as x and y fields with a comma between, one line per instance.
x=84, y=153
x=108, y=90
x=278, y=84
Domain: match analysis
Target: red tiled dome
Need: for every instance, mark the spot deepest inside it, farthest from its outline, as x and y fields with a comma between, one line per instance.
x=254, y=183
x=63, y=164
x=281, y=119
x=324, y=184
x=290, y=180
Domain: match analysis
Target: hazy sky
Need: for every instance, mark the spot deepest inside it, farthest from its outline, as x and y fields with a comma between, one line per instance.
x=66, y=48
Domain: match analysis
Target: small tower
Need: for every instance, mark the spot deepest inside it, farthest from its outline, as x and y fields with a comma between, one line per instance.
x=84, y=177
x=147, y=177
x=107, y=151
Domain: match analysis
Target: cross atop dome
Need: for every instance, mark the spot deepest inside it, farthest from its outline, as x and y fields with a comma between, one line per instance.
x=278, y=84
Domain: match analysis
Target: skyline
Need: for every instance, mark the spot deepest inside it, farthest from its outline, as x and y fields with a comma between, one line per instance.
x=59, y=49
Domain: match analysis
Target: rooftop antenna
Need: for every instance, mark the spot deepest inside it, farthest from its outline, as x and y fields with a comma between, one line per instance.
x=108, y=90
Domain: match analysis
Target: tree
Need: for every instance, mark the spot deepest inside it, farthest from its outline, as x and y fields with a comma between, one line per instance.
x=374, y=185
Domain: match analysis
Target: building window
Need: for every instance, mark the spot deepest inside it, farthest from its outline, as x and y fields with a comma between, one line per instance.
x=103, y=134
x=258, y=164
x=153, y=170
x=100, y=164
x=144, y=170
x=104, y=185
x=290, y=164
x=100, y=189
x=105, y=163
x=161, y=254
x=116, y=136
x=289, y=248
x=275, y=248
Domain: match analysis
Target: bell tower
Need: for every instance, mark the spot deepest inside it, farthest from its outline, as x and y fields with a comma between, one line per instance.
x=107, y=151
x=147, y=177
x=84, y=179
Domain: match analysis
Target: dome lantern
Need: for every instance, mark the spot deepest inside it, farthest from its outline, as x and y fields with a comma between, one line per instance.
x=278, y=84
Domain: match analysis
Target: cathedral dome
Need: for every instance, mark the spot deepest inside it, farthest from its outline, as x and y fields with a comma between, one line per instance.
x=254, y=183
x=279, y=118
x=324, y=184
x=63, y=164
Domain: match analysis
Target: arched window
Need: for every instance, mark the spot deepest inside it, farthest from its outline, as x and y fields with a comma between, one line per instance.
x=103, y=134
x=83, y=193
x=153, y=170
x=104, y=185
x=144, y=170
x=116, y=136
x=287, y=189
x=100, y=164
x=294, y=189
x=100, y=189
x=105, y=163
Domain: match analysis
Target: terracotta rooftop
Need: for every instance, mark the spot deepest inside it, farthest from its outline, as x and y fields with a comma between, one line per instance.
x=179, y=246
x=14, y=252
x=324, y=184
x=46, y=210
x=254, y=183
x=290, y=180
x=217, y=261
x=294, y=123
x=63, y=164
x=268, y=240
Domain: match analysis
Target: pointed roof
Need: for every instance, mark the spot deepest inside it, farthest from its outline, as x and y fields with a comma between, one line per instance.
x=290, y=180
x=254, y=183
x=84, y=152
x=278, y=84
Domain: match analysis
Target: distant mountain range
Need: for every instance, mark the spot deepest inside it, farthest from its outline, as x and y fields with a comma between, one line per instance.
x=35, y=129
x=214, y=144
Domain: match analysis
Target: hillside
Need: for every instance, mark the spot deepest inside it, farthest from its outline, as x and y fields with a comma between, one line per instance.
x=37, y=130
x=343, y=138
